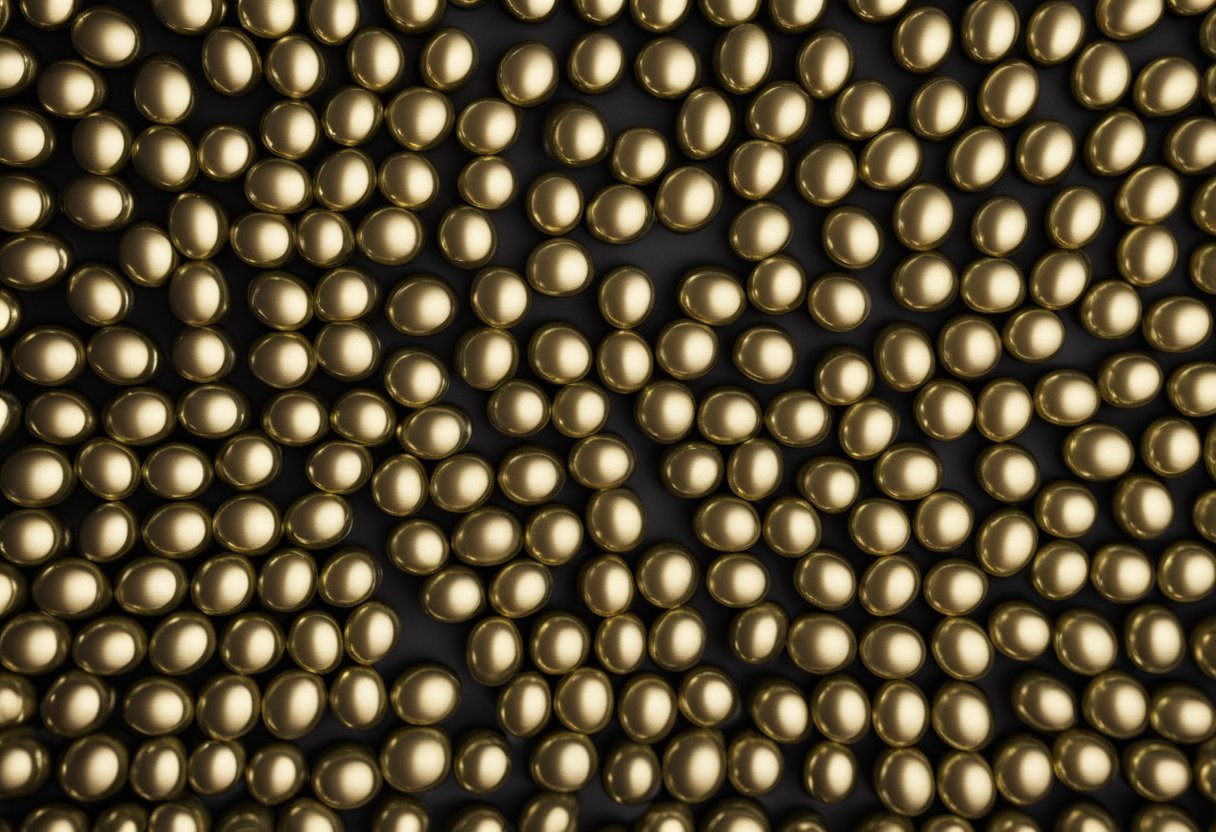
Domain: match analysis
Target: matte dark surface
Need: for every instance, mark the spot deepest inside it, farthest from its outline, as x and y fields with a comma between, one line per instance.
x=666, y=257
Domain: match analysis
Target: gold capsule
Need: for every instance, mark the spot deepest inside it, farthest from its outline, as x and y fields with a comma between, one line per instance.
x=852, y=238
x=938, y=108
x=28, y=538
x=978, y=159
x=418, y=118
x=1157, y=770
x=826, y=173
x=742, y=58
x=891, y=650
x=619, y=214
x=830, y=484
x=1182, y=713
x=688, y=199
x=903, y=779
x=632, y=774
x=29, y=140
x=1008, y=93
x=73, y=89
x=820, y=643
x=563, y=761
x=862, y=110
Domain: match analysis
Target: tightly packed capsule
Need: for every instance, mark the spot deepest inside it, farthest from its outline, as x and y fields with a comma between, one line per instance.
x=331, y=430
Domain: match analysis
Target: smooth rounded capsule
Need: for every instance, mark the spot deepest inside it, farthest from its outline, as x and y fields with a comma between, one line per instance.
x=76, y=703
x=419, y=305
x=665, y=67
x=70, y=588
x=28, y=138
x=1154, y=639
x=553, y=535
x=418, y=547
x=606, y=585
x=938, y=108
x=60, y=417
x=1186, y=572
x=390, y=236
x=1008, y=93
x=527, y=74
x=352, y=116
x=1054, y=32
x=293, y=703
x=426, y=694
x=891, y=650
x=231, y=63
x=639, y=155
x=29, y=538
x=346, y=777
x=632, y=774
x=688, y=199
x=694, y=765
x=742, y=58
x=223, y=585
x=1121, y=573
x=825, y=63
x=1101, y=75
x=1146, y=255
x=620, y=643
x=487, y=182
x=290, y=129
x=524, y=705
x=862, y=110
x=559, y=268
x=1186, y=146
x=619, y=214
x=962, y=649
x=1115, y=143
x=1182, y=713
x=826, y=173
x=494, y=651
x=978, y=159
x=820, y=643
x=757, y=634
x=1045, y=152
x=1043, y=702
x=890, y=160
x=324, y=238
x=825, y=579
x=73, y=89
x=215, y=767
x=1157, y=770
x=900, y=713
x=965, y=784
x=903, y=779
x=705, y=123
x=34, y=259
x=1126, y=20
x=563, y=761
x=922, y=39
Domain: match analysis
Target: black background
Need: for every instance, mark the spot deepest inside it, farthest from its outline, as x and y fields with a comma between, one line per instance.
x=666, y=257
